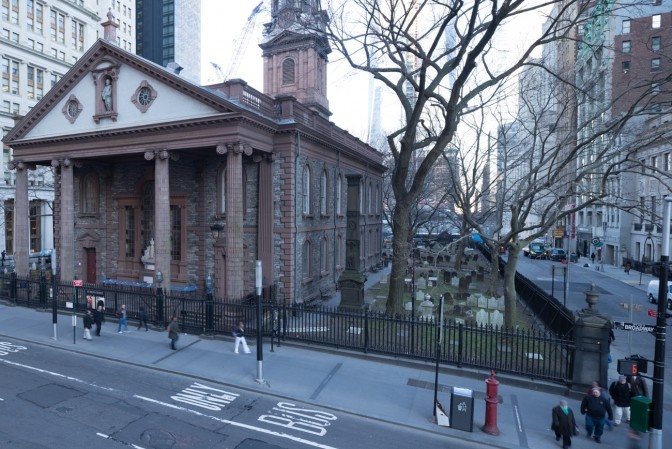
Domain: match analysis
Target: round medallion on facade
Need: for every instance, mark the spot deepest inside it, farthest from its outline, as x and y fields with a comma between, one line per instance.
x=73, y=108
x=144, y=96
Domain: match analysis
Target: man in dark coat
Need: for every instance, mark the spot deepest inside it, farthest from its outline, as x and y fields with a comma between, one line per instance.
x=594, y=406
x=99, y=317
x=563, y=423
x=620, y=393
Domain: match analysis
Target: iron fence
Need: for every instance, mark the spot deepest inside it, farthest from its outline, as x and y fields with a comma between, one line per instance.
x=530, y=353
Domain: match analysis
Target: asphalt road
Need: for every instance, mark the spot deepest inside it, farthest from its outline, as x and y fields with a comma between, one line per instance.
x=614, y=294
x=53, y=398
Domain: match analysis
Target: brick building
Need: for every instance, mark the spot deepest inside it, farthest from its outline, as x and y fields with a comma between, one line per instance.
x=157, y=174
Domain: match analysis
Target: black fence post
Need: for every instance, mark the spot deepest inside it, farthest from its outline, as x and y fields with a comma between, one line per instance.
x=460, y=344
x=43, y=289
x=159, y=307
x=366, y=328
x=209, y=313
x=12, y=287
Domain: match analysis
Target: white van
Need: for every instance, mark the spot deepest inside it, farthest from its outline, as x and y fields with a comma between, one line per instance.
x=652, y=292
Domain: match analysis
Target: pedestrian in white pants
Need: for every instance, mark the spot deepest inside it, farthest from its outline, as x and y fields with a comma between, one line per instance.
x=239, y=334
x=620, y=392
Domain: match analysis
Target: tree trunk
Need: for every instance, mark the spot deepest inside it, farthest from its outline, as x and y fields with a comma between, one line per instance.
x=401, y=247
x=510, y=295
x=494, y=269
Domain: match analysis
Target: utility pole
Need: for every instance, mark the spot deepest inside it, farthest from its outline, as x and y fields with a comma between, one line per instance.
x=656, y=437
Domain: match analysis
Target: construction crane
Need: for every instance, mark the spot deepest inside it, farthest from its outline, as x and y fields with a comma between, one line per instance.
x=241, y=45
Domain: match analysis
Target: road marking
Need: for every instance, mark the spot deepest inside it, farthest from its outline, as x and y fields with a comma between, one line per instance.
x=107, y=437
x=205, y=397
x=291, y=416
x=237, y=424
x=52, y=373
x=6, y=348
x=522, y=437
x=326, y=380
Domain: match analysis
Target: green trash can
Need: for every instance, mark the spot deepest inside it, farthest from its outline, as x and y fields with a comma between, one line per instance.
x=640, y=409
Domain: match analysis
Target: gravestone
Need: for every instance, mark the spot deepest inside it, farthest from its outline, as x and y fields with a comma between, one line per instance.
x=497, y=318
x=482, y=317
x=421, y=283
x=482, y=302
x=472, y=300
x=492, y=303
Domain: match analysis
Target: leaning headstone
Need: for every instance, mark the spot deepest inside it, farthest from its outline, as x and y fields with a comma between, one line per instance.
x=448, y=298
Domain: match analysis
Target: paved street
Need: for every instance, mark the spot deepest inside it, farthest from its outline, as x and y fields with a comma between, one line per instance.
x=385, y=390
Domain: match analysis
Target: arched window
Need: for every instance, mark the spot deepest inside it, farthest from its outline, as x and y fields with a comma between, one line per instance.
x=324, y=255
x=89, y=197
x=306, y=190
x=288, y=72
x=323, y=193
x=9, y=226
x=305, y=259
x=339, y=194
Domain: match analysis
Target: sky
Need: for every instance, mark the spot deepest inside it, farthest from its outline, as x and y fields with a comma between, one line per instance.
x=348, y=90
x=220, y=27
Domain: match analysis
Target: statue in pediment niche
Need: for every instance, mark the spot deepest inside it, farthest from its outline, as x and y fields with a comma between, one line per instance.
x=106, y=95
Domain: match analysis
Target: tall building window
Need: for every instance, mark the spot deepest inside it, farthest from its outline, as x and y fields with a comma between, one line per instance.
x=10, y=11
x=324, y=255
x=90, y=194
x=129, y=237
x=625, y=66
x=288, y=72
x=9, y=226
x=35, y=16
x=625, y=46
x=323, y=193
x=147, y=214
x=175, y=232
x=306, y=190
x=35, y=211
x=655, y=88
x=655, y=43
x=57, y=27
x=35, y=83
x=655, y=64
x=10, y=76
x=77, y=35
x=655, y=21
x=666, y=162
x=305, y=259
x=338, y=257
x=626, y=26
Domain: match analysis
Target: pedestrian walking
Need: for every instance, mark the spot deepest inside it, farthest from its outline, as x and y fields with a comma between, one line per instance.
x=563, y=424
x=605, y=396
x=99, y=317
x=123, y=320
x=173, y=332
x=592, y=258
x=88, y=324
x=594, y=406
x=239, y=334
x=628, y=266
x=638, y=386
x=142, y=318
x=621, y=394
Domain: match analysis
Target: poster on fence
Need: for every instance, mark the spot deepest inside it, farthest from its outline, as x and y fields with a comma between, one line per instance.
x=93, y=298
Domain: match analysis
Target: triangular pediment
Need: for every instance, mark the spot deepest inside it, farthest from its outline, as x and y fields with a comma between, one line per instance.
x=287, y=39
x=140, y=92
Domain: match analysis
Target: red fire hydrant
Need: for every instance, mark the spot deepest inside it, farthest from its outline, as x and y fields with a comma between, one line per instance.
x=491, y=393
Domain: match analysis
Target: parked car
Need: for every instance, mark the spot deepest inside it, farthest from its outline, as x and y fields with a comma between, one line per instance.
x=557, y=255
x=652, y=292
x=535, y=250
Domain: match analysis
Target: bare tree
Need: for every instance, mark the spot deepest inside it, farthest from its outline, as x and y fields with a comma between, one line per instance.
x=440, y=61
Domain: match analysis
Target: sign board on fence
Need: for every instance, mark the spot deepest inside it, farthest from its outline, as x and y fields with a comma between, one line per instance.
x=78, y=283
x=652, y=313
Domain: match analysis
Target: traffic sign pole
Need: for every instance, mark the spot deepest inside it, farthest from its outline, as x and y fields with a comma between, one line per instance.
x=656, y=438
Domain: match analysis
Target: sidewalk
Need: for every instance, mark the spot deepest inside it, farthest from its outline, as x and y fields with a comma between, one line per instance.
x=383, y=388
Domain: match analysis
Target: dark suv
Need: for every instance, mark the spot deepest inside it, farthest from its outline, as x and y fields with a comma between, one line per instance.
x=557, y=255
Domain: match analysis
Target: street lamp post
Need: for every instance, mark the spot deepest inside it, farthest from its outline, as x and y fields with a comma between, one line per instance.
x=260, y=325
x=653, y=252
x=656, y=438
x=209, y=304
x=159, y=298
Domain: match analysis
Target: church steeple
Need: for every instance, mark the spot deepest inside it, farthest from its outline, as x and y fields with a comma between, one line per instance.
x=295, y=51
